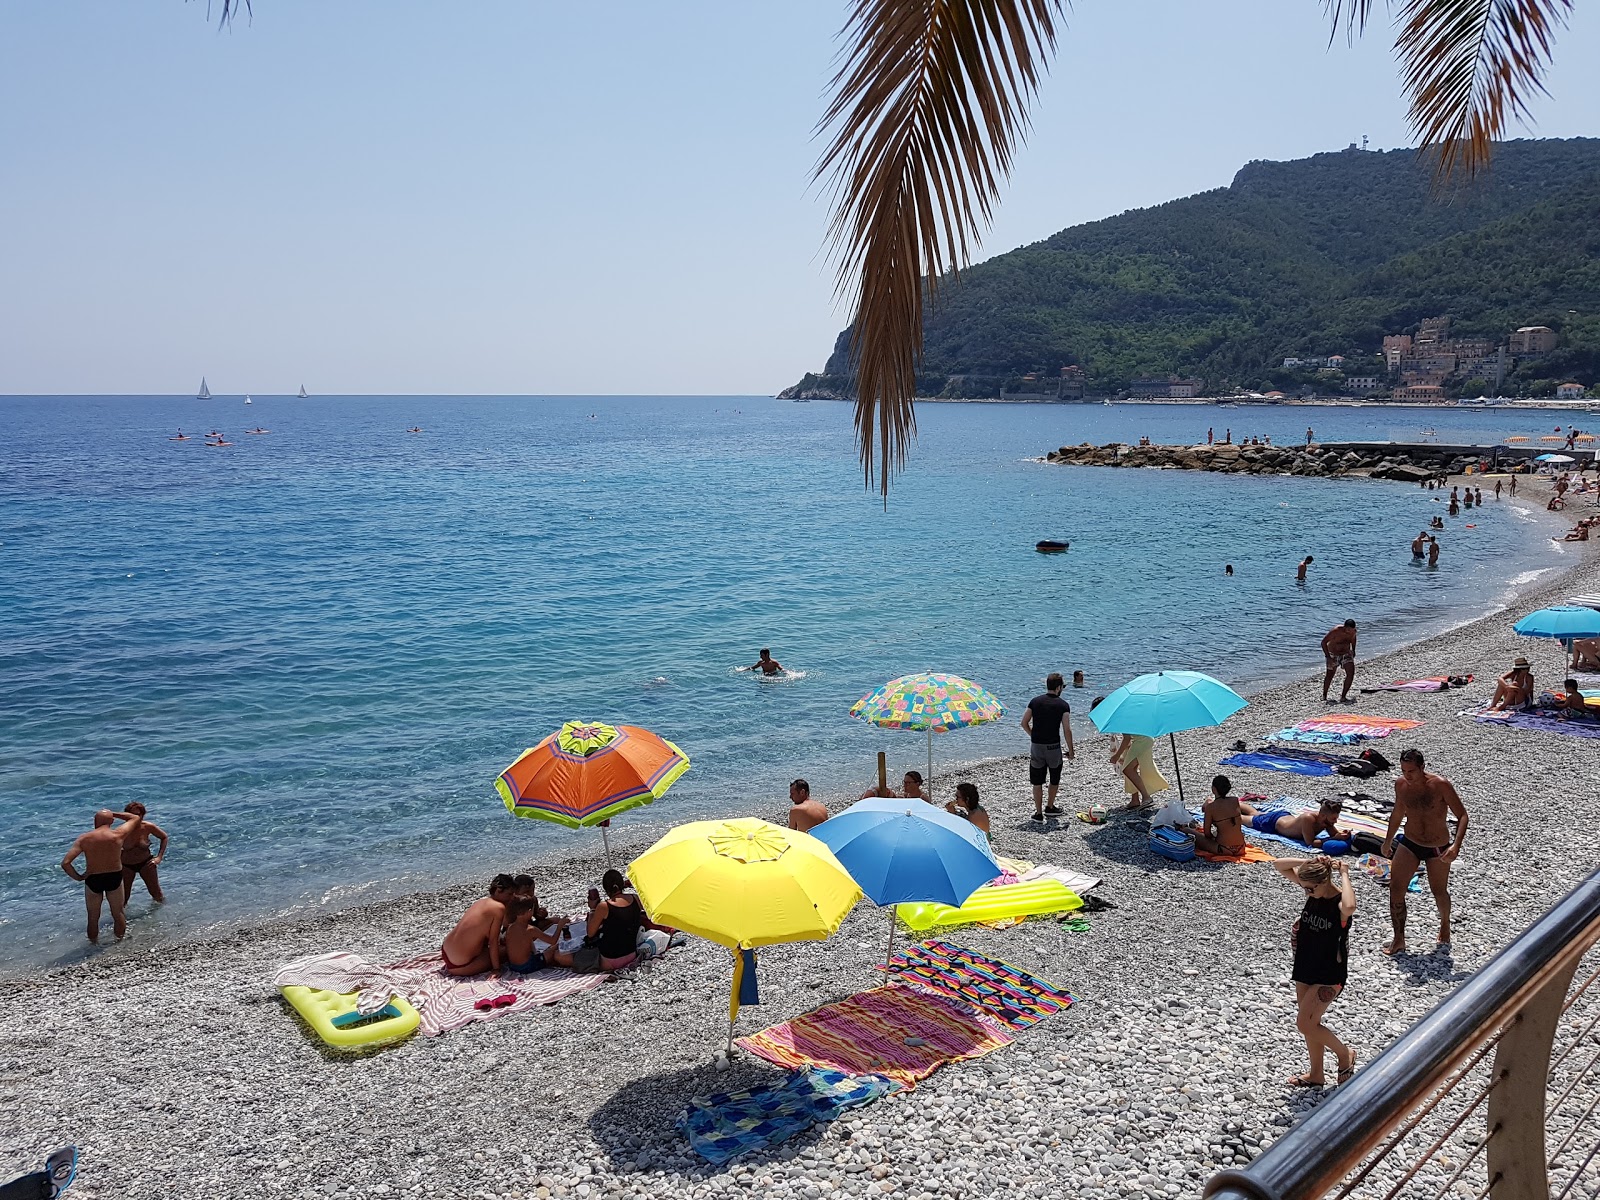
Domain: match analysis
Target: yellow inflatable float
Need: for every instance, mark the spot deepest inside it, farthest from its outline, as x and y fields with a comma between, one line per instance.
x=335, y=1020
x=990, y=903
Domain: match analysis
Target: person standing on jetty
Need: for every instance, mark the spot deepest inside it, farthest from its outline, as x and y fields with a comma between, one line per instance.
x=1308, y=437
x=1211, y=435
x=101, y=849
x=1339, y=649
x=1046, y=720
x=1423, y=803
x=1320, y=942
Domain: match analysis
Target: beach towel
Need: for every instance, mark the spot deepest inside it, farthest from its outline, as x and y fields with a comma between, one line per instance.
x=867, y=1034
x=728, y=1124
x=1433, y=683
x=1275, y=760
x=447, y=1002
x=1075, y=881
x=1015, y=998
x=1534, y=722
x=1351, y=723
x=1250, y=854
x=1320, y=737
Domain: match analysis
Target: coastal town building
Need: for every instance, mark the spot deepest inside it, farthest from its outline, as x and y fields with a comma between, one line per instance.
x=1072, y=384
x=1533, y=339
x=1396, y=347
x=1432, y=331
x=1170, y=388
x=1362, y=385
x=1569, y=391
x=1419, y=391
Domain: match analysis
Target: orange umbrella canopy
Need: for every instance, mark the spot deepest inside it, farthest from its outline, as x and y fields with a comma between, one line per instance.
x=588, y=772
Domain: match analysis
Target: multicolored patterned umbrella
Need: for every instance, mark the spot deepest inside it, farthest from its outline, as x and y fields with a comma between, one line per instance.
x=930, y=701
x=587, y=772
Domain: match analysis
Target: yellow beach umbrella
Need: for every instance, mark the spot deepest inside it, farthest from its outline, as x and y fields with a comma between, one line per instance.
x=744, y=883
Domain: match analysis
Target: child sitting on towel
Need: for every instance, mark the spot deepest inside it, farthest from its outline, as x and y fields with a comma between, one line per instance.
x=1220, y=830
x=525, y=941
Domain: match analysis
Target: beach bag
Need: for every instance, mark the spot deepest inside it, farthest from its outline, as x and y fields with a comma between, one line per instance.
x=1363, y=842
x=1172, y=844
x=1358, y=770
x=1377, y=760
x=1172, y=813
x=586, y=960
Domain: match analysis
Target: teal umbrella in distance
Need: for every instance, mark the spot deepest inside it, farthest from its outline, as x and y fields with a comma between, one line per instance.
x=1564, y=622
x=1165, y=703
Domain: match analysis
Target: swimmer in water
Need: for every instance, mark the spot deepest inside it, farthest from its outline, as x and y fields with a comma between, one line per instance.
x=766, y=664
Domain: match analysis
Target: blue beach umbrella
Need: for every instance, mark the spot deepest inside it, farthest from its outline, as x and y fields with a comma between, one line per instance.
x=1565, y=622
x=902, y=851
x=1165, y=703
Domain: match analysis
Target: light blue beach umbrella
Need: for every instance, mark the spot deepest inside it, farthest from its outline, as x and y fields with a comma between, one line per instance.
x=1565, y=622
x=901, y=851
x=1166, y=703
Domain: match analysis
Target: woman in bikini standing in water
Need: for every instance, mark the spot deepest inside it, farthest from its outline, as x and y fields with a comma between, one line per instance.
x=1321, y=943
x=138, y=862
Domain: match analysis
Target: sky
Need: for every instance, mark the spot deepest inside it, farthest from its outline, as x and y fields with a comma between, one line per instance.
x=522, y=197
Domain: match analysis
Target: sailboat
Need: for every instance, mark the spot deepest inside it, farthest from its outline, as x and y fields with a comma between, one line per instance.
x=247, y=400
x=204, y=393
x=303, y=395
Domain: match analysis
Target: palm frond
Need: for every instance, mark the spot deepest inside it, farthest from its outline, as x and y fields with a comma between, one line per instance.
x=230, y=9
x=1471, y=66
x=1352, y=14
x=929, y=104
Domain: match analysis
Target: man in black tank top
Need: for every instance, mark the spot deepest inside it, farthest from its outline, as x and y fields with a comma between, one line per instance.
x=1045, y=720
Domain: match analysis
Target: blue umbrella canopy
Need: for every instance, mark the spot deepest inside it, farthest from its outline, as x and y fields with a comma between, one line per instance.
x=1561, y=621
x=900, y=851
x=1166, y=702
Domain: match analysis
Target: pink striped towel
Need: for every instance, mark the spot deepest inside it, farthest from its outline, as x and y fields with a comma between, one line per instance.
x=446, y=1002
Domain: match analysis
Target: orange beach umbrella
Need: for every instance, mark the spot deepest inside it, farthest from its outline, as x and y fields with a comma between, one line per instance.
x=587, y=772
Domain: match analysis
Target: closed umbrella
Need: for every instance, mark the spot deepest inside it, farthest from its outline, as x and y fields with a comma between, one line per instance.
x=587, y=772
x=902, y=852
x=930, y=701
x=1167, y=703
x=744, y=883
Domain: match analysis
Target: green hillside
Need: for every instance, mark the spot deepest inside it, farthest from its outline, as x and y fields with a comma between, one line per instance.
x=1320, y=256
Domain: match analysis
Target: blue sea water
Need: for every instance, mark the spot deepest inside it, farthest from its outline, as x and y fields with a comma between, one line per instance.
x=311, y=652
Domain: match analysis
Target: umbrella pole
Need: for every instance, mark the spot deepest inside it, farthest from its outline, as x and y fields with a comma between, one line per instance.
x=930, y=762
x=606, y=838
x=889, y=953
x=730, y=1035
x=1176, y=768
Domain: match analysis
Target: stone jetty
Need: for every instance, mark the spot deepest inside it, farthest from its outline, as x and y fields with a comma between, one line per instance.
x=1375, y=460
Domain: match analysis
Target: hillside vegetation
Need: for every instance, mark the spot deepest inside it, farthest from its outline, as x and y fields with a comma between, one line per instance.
x=1315, y=257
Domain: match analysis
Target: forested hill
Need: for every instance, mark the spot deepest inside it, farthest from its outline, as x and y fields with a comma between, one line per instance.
x=1316, y=257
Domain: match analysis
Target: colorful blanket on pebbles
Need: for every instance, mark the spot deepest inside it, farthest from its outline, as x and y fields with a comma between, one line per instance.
x=1288, y=760
x=726, y=1124
x=1537, y=722
x=1010, y=995
x=1349, y=819
x=903, y=1033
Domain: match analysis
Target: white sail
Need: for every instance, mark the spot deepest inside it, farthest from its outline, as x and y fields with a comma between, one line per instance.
x=204, y=393
x=303, y=392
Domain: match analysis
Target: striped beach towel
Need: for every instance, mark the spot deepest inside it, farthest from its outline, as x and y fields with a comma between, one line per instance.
x=1350, y=723
x=1011, y=996
x=727, y=1124
x=867, y=1034
x=446, y=1002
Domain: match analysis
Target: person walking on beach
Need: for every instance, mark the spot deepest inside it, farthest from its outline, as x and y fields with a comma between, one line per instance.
x=1300, y=571
x=1339, y=649
x=1497, y=486
x=1320, y=942
x=137, y=860
x=804, y=812
x=1046, y=720
x=101, y=849
x=1513, y=486
x=1423, y=804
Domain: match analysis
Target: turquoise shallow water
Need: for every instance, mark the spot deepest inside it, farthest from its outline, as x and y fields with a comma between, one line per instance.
x=311, y=652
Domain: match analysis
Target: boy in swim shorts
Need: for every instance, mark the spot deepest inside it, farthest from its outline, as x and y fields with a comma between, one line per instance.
x=525, y=941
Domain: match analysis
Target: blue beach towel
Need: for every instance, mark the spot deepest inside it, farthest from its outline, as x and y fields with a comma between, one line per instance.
x=727, y=1124
x=1316, y=737
x=1266, y=760
x=1579, y=727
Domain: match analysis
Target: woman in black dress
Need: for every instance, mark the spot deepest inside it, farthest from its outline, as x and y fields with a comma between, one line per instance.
x=1321, y=944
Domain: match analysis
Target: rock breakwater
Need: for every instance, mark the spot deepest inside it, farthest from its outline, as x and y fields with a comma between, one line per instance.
x=1406, y=462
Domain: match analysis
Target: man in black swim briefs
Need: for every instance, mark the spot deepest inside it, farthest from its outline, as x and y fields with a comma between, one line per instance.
x=1046, y=720
x=101, y=849
x=1423, y=803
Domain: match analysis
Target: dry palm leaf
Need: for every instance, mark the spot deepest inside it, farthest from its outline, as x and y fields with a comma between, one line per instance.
x=929, y=105
x=1470, y=66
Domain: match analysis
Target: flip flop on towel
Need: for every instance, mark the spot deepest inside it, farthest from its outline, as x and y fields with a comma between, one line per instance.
x=483, y=1005
x=505, y=1001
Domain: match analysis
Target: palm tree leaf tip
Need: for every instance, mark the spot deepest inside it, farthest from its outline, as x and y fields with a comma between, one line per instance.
x=929, y=103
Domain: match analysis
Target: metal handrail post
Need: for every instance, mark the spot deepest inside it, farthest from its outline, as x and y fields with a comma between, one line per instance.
x=1517, y=1108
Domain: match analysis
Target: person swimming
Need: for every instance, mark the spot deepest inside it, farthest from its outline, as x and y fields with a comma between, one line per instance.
x=766, y=664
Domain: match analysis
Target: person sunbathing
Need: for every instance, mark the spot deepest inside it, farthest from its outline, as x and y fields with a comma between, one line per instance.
x=1579, y=533
x=1220, y=830
x=966, y=804
x=473, y=946
x=1310, y=827
x=1515, y=688
x=1586, y=654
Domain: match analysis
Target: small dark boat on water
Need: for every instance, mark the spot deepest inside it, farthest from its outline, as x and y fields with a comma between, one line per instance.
x=1048, y=547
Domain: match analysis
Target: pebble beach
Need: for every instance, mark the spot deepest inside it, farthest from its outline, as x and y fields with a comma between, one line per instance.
x=179, y=1071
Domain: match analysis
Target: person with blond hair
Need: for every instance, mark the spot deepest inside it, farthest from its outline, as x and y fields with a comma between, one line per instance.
x=1320, y=941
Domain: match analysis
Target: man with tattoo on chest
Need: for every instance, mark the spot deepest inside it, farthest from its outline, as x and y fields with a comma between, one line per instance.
x=1423, y=802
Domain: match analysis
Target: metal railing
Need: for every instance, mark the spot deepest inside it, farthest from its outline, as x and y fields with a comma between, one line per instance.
x=1468, y=1101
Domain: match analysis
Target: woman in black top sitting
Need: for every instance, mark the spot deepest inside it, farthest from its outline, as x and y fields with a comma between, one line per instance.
x=1321, y=944
x=613, y=931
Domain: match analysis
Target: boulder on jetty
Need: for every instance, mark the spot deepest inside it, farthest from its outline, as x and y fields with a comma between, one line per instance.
x=1411, y=464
